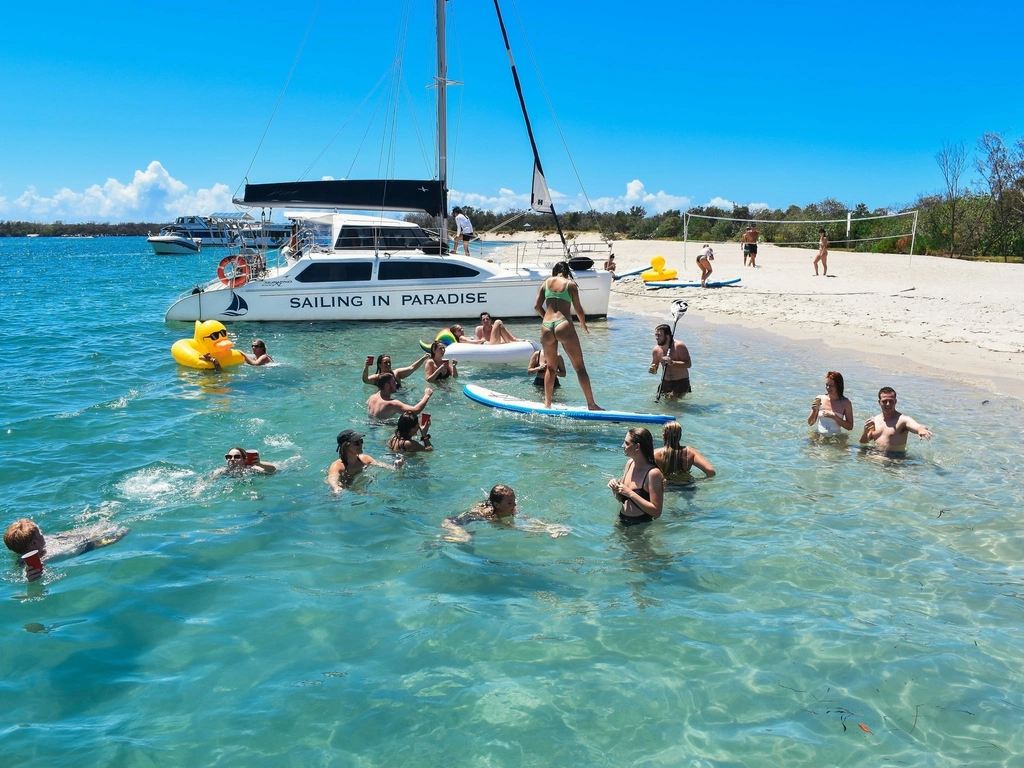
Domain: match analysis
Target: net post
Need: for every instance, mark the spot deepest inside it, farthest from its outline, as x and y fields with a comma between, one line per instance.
x=686, y=236
x=913, y=237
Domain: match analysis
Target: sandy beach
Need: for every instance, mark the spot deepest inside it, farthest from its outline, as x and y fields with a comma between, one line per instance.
x=936, y=316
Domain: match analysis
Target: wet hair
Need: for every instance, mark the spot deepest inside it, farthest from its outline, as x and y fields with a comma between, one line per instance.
x=379, y=358
x=561, y=269
x=668, y=331
x=836, y=378
x=259, y=343
x=886, y=391
x=19, y=534
x=406, y=426
x=675, y=457
x=384, y=378
x=485, y=313
x=435, y=345
x=238, y=448
x=643, y=438
x=498, y=493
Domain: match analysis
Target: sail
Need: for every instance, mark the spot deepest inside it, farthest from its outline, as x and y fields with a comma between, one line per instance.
x=428, y=197
x=540, y=199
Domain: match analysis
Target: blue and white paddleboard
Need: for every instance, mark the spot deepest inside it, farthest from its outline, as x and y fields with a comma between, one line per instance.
x=711, y=284
x=518, y=405
x=620, y=275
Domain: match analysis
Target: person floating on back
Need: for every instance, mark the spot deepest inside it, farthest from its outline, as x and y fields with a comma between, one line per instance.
x=25, y=539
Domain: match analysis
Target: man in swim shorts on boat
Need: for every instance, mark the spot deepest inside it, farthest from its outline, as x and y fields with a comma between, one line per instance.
x=381, y=404
x=889, y=429
x=24, y=536
x=490, y=331
x=673, y=358
x=749, y=241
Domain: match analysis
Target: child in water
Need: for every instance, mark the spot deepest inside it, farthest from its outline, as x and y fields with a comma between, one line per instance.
x=24, y=536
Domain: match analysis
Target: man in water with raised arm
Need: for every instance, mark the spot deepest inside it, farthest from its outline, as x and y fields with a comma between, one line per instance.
x=673, y=358
x=491, y=331
x=889, y=429
x=381, y=404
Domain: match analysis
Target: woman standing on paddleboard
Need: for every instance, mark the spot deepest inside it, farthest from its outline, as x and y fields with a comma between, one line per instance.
x=556, y=299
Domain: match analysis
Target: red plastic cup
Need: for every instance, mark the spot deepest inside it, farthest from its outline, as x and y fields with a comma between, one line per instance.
x=424, y=419
x=252, y=457
x=32, y=560
x=369, y=359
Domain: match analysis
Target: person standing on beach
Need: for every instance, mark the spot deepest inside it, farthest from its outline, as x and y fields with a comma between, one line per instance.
x=704, y=259
x=889, y=429
x=464, y=229
x=822, y=253
x=556, y=299
x=749, y=241
x=673, y=358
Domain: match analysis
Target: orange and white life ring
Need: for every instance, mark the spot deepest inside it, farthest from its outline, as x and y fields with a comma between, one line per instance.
x=233, y=271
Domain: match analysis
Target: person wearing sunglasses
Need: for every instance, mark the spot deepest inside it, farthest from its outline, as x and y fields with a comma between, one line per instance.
x=641, y=491
x=352, y=461
x=384, y=366
x=240, y=462
x=259, y=353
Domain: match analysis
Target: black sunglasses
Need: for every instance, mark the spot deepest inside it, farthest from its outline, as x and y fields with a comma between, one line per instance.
x=216, y=335
x=230, y=456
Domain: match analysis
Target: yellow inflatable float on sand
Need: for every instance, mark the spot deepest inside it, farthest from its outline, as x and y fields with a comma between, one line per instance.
x=210, y=338
x=657, y=271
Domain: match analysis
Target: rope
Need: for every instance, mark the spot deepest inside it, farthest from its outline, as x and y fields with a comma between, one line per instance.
x=804, y=221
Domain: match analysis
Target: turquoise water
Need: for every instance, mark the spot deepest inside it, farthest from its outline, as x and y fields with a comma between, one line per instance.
x=806, y=589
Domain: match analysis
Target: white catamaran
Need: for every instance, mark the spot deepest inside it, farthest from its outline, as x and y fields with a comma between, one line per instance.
x=378, y=268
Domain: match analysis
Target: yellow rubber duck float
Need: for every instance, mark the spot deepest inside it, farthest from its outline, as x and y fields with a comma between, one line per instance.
x=657, y=271
x=210, y=338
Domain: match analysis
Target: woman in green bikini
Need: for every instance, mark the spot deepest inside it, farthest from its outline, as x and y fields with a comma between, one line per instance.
x=556, y=299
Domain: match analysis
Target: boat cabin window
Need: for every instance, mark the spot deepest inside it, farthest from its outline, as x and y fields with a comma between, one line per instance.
x=384, y=238
x=423, y=270
x=336, y=272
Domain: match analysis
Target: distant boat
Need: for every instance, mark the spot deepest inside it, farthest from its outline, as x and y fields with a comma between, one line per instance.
x=34, y=234
x=173, y=243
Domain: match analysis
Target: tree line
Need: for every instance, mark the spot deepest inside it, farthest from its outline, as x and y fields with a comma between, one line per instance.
x=60, y=229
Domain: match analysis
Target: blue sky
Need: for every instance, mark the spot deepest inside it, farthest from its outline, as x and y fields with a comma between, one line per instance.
x=122, y=111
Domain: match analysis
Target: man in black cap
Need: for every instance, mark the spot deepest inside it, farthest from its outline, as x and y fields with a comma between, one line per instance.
x=352, y=461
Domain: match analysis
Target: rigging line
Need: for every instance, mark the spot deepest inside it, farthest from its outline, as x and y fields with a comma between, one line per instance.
x=551, y=107
x=387, y=149
x=350, y=119
x=453, y=151
x=284, y=88
x=415, y=125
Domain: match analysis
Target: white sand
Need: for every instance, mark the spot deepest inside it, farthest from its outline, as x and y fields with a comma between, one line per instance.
x=931, y=315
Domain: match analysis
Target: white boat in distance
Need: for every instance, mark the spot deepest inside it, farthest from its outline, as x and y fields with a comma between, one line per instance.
x=378, y=269
x=170, y=243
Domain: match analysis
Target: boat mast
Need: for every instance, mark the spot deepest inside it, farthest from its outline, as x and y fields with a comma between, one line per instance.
x=538, y=169
x=442, y=125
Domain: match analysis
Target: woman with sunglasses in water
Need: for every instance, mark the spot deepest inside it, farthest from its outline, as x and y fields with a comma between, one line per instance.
x=352, y=461
x=240, y=462
x=384, y=366
x=259, y=353
x=641, y=491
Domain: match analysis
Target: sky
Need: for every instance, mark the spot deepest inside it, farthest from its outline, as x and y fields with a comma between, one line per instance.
x=125, y=111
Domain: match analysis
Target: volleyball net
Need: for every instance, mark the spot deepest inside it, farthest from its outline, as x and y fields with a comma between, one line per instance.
x=885, y=233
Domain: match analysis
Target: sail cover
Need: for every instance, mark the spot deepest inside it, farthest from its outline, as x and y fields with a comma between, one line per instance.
x=371, y=195
x=541, y=197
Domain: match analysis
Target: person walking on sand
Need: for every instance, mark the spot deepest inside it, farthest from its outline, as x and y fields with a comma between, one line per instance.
x=674, y=359
x=889, y=429
x=749, y=241
x=556, y=299
x=704, y=259
x=464, y=229
x=822, y=253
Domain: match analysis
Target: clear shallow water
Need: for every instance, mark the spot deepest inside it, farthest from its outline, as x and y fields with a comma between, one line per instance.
x=806, y=589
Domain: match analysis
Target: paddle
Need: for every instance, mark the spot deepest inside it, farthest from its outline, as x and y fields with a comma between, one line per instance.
x=679, y=308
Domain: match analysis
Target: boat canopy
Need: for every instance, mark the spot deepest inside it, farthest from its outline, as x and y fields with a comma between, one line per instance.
x=355, y=195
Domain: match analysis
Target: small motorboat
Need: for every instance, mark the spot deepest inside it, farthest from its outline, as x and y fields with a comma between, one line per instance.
x=171, y=242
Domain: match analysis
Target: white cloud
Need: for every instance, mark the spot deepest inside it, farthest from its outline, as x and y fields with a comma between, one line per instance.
x=754, y=207
x=721, y=202
x=152, y=195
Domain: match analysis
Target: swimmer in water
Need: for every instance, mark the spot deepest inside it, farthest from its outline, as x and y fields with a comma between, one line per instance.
x=24, y=536
x=240, y=462
x=500, y=507
x=889, y=429
x=352, y=461
x=641, y=491
x=674, y=460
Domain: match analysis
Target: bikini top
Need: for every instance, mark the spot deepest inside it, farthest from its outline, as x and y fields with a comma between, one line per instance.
x=563, y=294
x=641, y=492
